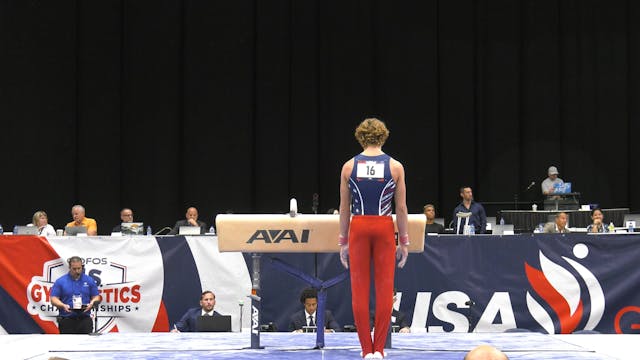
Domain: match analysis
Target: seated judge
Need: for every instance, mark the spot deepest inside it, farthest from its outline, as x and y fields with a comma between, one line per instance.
x=41, y=221
x=398, y=318
x=597, y=225
x=432, y=226
x=307, y=317
x=189, y=320
x=191, y=219
x=79, y=219
x=126, y=216
x=559, y=226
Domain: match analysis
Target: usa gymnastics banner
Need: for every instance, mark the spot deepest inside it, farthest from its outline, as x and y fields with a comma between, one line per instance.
x=543, y=282
x=548, y=283
x=146, y=283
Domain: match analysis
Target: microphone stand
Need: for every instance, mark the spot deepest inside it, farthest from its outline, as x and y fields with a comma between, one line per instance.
x=470, y=316
x=162, y=230
x=517, y=195
x=241, y=303
x=95, y=320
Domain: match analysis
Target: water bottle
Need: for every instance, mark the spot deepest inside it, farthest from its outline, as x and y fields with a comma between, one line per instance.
x=15, y=229
x=630, y=227
x=149, y=230
x=1, y=231
x=472, y=229
x=212, y=230
x=501, y=221
x=612, y=228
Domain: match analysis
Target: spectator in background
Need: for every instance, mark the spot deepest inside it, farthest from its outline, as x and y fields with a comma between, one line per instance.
x=597, y=225
x=79, y=219
x=548, y=184
x=559, y=226
x=41, y=221
x=307, y=317
x=191, y=219
x=478, y=218
x=126, y=216
x=432, y=226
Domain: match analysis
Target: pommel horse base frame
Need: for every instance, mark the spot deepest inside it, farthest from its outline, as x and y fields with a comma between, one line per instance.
x=276, y=233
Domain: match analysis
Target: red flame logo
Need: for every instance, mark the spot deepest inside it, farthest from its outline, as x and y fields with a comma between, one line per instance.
x=568, y=322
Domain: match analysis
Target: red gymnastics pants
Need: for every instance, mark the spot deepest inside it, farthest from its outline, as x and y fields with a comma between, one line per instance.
x=372, y=238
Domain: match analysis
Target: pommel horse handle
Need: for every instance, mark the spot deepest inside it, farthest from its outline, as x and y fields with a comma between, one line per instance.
x=281, y=233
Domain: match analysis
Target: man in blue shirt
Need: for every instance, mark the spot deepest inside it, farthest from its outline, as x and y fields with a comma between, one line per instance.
x=478, y=217
x=74, y=294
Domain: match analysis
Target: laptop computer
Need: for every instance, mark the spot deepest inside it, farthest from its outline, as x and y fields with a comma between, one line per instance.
x=26, y=230
x=75, y=230
x=189, y=230
x=562, y=188
x=220, y=323
x=132, y=228
x=501, y=229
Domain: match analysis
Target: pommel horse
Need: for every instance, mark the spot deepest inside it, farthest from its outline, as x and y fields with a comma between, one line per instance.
x=283, y=233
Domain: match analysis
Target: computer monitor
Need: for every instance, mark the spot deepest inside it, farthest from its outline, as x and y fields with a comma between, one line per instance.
x=189, y=230
x=218, y=323
x=491, y=222
x=75, y=230
x=501, y=229
x=132, y=228
x=26, y=230
x=631, y=217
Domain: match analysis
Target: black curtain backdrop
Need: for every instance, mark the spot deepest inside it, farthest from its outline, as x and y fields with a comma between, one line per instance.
x=240, y=105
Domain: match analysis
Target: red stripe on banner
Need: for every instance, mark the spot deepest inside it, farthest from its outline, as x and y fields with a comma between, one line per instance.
x=22, y=257
x=162, y=320
x=558, y=303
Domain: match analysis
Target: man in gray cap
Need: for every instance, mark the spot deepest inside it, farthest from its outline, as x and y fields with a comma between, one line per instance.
x=548, y=185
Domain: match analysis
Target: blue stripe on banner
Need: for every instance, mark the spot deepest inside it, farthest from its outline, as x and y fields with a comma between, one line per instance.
x=14, y=319
x=181, y=278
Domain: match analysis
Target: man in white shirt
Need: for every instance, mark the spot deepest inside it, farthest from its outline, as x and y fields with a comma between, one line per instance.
x=307, y=317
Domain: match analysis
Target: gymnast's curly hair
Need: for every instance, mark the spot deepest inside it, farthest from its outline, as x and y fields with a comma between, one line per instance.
x=371, y=131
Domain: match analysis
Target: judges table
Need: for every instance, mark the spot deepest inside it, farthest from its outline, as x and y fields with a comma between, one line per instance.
x=528, y=220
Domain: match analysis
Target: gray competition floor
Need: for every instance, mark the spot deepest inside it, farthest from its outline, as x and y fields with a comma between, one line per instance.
x=296, y=346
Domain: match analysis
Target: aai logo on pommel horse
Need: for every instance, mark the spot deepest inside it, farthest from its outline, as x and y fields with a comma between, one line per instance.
x=276, y=235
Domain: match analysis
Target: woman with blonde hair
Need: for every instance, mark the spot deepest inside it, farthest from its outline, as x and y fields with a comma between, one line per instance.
x=41, y=221
x=369, y=182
